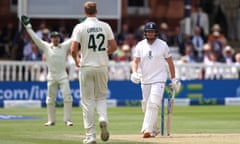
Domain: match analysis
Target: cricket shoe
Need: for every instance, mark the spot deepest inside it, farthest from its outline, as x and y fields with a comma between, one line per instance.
x=147, y=135
x=104, y=131
x=69, y=123
x=155, y=133
x=49, y=123
x=90, y=140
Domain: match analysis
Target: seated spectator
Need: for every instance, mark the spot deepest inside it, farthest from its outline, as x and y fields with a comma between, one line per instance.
x=235, y=68
x=122, y=36
x=164, y=34
x=40, y=29
x=213, y=69
x=189, y=55
x=228, y=55
x=32, y=53
x=217, y=45
x=27, y=48
x=7, y=37
x=139, y=33
x=206, y=54
x=46, y=35
x=123, y=53
x=237, y=58
x=179, y=40
x=198, y=42
x=215, y=28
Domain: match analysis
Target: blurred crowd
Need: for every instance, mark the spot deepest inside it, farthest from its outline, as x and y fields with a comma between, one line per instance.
x=206, y=44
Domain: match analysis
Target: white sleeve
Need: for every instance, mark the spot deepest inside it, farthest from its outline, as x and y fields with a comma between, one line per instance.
x=67, y=44
x=167, y=53
x=40, y=43
x=76, y=34
x=137, y=52
x=110, y=32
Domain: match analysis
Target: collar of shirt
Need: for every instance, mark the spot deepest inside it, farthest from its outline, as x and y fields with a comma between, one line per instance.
x=90, y=18
x=58, y=46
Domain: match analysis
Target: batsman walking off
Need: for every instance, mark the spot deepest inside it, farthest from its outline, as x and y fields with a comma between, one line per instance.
x=55, y=53
x=96, y=41
x=150, y=58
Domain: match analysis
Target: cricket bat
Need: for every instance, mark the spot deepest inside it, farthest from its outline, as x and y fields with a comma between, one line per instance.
x=171, y=95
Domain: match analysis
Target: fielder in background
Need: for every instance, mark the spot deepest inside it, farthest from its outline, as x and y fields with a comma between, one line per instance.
x=55, y=53
x=97, y=42
x=150, y=58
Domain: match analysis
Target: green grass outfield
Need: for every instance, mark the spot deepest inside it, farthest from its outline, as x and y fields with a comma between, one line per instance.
x=187, y=123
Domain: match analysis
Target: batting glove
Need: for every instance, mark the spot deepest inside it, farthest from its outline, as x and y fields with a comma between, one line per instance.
x=135, y=78
x=175, y=84
x=26, y=21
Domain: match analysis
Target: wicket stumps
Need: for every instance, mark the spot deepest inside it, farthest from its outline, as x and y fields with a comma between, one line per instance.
x=162, y=117
x=163, y=113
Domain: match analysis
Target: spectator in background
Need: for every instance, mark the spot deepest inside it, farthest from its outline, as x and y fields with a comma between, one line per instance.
x=139, y=33
x=46, y=35
x=213, y=69
x=237, y=58
x=207, y=53
x=8, y=34
x=200, y=18
x=32, y=53
x=18, y=46
x=35, y=54
x=215, y=28
x=41, y=27
x=27, y=48
x=164, y=33
x=179, y=40
x=228, y=55
x=189, y=54
x=122, y=36
x=237, y=63
x=216, y=45
x=64, y=33
x=123, y=53
x=198, y=42
x=231, y=9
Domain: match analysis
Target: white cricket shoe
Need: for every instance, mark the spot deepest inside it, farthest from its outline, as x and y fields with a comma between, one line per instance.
x=155, y=133
x=49, y=123
x=90, y=140
x=104, y=131
x=69, y=123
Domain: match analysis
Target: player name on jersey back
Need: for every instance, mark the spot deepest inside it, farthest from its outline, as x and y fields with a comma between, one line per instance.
x=94, y=29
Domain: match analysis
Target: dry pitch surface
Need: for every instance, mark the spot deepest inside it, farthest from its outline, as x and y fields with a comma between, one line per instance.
x=202, y=138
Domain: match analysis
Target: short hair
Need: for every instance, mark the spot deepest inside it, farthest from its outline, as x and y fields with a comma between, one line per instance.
x=90, y=7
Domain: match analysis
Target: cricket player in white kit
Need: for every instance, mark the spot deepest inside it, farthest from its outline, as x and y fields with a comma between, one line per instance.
x=97, y=41
x=151, y=58
x=55, y=54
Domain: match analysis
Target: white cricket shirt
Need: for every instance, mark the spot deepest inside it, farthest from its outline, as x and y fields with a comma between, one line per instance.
x=152, y=60
x=55, y=56
x=93, y=36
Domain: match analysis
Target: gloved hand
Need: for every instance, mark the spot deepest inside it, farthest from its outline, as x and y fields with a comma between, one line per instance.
x=26, y=21
x=175, y=84
x=136, y=77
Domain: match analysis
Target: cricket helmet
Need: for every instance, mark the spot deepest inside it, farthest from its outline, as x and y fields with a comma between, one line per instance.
x=54, y=34
x=150, y=26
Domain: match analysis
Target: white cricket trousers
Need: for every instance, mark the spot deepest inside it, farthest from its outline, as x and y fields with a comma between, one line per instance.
x=152, y=95
x=53, y=86
x=93, y=94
